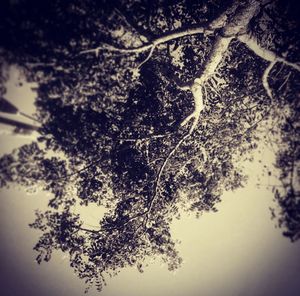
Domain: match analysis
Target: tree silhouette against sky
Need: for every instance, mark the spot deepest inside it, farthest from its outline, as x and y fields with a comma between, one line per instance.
x=149, y=108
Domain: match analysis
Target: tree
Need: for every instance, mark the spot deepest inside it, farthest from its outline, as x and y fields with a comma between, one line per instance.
x=150, y=108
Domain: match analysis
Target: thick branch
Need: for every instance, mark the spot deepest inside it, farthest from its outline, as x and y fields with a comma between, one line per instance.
x=266, y=54
x=234, y=27
x=218, y=23
x=151, y=44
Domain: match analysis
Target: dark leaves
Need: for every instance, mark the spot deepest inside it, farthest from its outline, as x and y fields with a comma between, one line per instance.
x=112, y=125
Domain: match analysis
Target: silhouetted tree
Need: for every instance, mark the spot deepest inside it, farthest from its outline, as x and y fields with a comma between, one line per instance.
x=151, y=106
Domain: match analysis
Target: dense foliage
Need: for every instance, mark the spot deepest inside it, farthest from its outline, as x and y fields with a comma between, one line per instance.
x=111, y=119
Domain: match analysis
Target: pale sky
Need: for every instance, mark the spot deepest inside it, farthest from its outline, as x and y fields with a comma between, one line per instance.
x=236, y=251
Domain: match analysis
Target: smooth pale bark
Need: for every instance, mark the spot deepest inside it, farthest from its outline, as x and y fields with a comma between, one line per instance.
x=236, y=25
x=268, y=55
x=265, y=79
x=153, y=43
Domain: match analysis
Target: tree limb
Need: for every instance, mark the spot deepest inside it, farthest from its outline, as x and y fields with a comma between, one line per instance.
x=147, y=58
x=160, y=173
x=234, y=27
x=265, y=81
x=266, y=54
x=151, y=44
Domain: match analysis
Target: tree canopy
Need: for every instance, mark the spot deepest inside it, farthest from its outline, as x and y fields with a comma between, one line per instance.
x=149, y=108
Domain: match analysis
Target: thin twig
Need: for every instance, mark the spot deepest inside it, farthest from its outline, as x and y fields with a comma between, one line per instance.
x=29, y=116
x=285, y=81
x=147, y=58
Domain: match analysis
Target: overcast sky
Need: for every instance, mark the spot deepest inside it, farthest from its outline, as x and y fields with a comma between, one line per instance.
x=236, y=251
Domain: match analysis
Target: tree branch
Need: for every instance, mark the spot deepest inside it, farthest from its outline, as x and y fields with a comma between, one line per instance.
x=79, y=228
x=265, y=81
x=151, y=44
x=234, y=27
x=269, y=93
x=160, y=173
x=266, y=54
x=147, y=58
x=79, y=171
